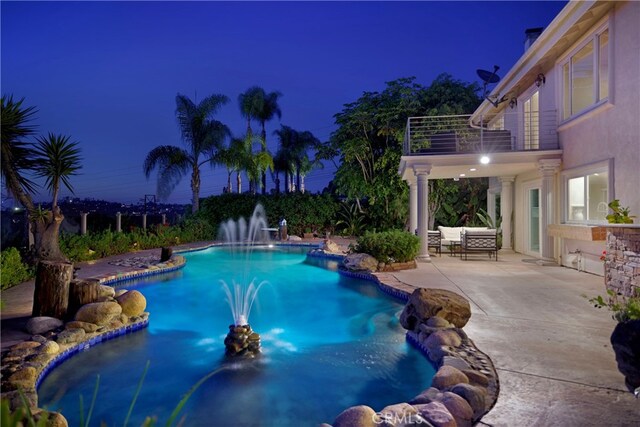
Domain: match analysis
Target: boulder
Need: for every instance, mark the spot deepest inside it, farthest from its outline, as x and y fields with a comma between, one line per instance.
x=438, y=322
x=356, y=416
x=459, y=408
x=331, y=247
x=476, y=378
x=41, y=324
x=87, y=327
x=120, y=292
x=50, y=347
x=360, y=262
x=70, y=336
x=27, y=374
x=448, y=376
x=399, y=414
x=99, y=313
x=105, y=291
x=426, y=303
x=26, y=345
x=437, y=414
x=446, y=337
x=625, y=340
x=133, y=303
x=429, y=395
x=475, y=397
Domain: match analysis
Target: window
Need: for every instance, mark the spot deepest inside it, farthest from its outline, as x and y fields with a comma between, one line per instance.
x=531, y=123
x=585, y=75
x=587, y=195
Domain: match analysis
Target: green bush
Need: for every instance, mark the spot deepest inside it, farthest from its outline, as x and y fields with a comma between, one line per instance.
x=389, y=246
x=12, y=269
x=302, y=211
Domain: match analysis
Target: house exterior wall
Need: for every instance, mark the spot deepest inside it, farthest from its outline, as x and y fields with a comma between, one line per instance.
x=610, y=132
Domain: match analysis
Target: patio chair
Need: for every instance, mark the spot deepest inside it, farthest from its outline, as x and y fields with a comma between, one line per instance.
x=478, y=241
x=435, y=241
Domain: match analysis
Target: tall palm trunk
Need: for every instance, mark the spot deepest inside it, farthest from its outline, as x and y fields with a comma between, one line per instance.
x=298, y=179
x=195, y=189
x=229, y=189
x=239, y=182
x=264, y=148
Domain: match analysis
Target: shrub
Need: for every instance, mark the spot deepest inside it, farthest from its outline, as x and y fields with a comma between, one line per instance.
x=389, y=246
x=14, y=271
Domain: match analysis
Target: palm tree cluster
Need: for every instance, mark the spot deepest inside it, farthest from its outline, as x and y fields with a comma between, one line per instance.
x=205, y=142
x=55, y=158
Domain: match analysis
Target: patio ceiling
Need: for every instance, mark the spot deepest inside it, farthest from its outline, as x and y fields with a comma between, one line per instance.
x=452, y=166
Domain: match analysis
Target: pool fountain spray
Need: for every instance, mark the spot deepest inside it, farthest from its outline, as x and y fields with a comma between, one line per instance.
x=241, y=237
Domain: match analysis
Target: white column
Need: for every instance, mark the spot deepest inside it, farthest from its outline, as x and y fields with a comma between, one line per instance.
x=548, y=168
x=118, y=222
x=506, y=208
x=422, y=173
x=413, y=207
x=83, y=223
x=144, y=221
x=491, y=204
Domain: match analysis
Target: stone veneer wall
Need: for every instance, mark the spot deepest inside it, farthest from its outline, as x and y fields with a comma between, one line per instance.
x=622, y=261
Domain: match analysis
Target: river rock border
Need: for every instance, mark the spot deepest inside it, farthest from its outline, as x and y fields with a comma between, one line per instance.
x=465, y=386
x=26, y=364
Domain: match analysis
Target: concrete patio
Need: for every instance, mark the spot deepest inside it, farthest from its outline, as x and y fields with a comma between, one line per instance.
x=550, y=346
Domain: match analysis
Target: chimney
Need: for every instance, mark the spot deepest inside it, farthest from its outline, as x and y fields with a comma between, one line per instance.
x=530, y=36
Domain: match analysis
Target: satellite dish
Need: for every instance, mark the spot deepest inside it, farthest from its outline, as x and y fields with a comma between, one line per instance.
x=490, y=77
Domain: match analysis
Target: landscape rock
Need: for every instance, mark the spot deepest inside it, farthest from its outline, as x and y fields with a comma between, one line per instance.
x=438, y=322
x=356, y=416
x=398, y=414
x=457, y=363
x=41, y=324
x=39, y=338
x=429, y=395
x=49, y=347
x=120, y=292
x=99, y=313
x=459, y=408
x=447, y=337
x=87, y=327
x=437, y=414
x=476, y=378
x=331, y=247
x=28, y=374
x=133, y=303
x=360, y=262
x=475, y=396
x=448, y=376
x=70, y=336
x=105, y=291
x=426, y=303
x=26, y=345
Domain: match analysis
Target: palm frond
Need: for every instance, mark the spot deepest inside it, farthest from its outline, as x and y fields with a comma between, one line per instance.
x=172, y=164
x=58, y=159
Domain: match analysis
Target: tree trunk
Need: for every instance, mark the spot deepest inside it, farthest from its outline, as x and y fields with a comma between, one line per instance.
x=239, y=182
x=302, y=183
x=82, y=292
x=165, y=254
x=229, y=189
x=298, y=179
x=195, y=189
x=264, y=149
x=51, y=296
x=47, y=241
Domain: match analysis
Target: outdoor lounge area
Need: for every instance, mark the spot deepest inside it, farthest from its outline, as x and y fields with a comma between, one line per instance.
x=464, y=241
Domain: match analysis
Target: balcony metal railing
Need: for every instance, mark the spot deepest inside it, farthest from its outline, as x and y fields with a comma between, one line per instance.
x=434, y=135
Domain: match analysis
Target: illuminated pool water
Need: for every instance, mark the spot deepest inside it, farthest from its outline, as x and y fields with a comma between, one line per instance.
x=328, y=342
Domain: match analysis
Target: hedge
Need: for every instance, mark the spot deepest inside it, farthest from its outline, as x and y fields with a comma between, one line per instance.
x=389, y=246
x=12, y=269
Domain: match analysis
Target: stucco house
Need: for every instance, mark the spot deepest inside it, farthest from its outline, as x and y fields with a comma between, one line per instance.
x=558, y=136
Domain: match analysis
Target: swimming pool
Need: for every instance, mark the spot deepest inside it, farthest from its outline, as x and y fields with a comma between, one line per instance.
x=328, y=342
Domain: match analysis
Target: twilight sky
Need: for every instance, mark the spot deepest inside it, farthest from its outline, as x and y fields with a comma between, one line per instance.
x=107, y=73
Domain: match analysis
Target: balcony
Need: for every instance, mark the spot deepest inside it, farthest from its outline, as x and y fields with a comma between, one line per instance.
x=509, y=132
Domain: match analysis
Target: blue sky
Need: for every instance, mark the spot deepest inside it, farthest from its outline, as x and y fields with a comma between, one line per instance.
x=107, y=73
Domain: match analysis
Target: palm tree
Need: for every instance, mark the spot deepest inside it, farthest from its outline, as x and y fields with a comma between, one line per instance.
x=251, y=102
x=307, y=166
x=53, y=158
x=302, y=143
x=17, y=155
x=287, y=138
x=202, y=136
x=269, y=110
x=57, y=159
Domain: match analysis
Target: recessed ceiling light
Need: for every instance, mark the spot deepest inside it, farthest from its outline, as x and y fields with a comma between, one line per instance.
x=473, y=170
x=485, y=160
x=462, y=175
